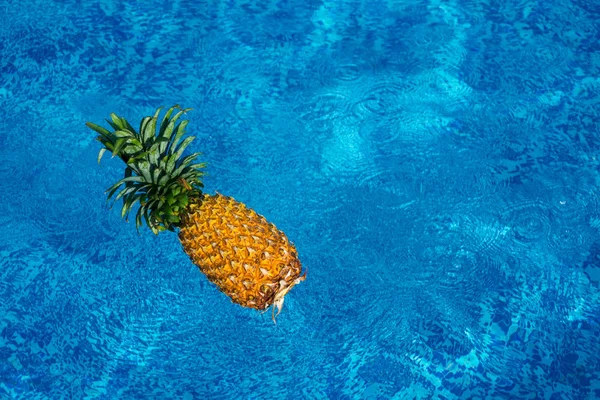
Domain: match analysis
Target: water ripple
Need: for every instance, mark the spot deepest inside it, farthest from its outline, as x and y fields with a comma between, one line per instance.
x=346, y=154
x=452, y=55
x=545, y=54
x=570, y=212
x=483, y=236
x=384, y=98
x=348, y=73
x=323, y=107
x=529, y=222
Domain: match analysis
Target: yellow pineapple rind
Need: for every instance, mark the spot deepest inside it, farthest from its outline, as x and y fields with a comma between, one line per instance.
x=248, y=258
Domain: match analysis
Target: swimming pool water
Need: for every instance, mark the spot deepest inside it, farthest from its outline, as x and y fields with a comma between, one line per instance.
x=435, y=162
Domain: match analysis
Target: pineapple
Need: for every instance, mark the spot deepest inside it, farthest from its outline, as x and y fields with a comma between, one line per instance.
x=244, y=255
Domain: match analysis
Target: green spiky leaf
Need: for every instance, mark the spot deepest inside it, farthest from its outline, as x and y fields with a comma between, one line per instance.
x=179, y=132
x=103, y=131
x=101, y=153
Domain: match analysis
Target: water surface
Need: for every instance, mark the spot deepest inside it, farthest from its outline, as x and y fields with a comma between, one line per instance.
x=435, y=163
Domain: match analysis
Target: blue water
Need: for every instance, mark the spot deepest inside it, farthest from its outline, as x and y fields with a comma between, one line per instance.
x=435, y=162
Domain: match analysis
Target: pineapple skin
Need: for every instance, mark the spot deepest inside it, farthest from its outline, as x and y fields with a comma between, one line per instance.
x=248, y=258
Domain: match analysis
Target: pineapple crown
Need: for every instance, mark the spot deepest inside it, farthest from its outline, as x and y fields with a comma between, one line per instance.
x=157, y=175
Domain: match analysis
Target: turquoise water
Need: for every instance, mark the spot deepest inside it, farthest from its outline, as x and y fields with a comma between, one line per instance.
x=435, y=162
